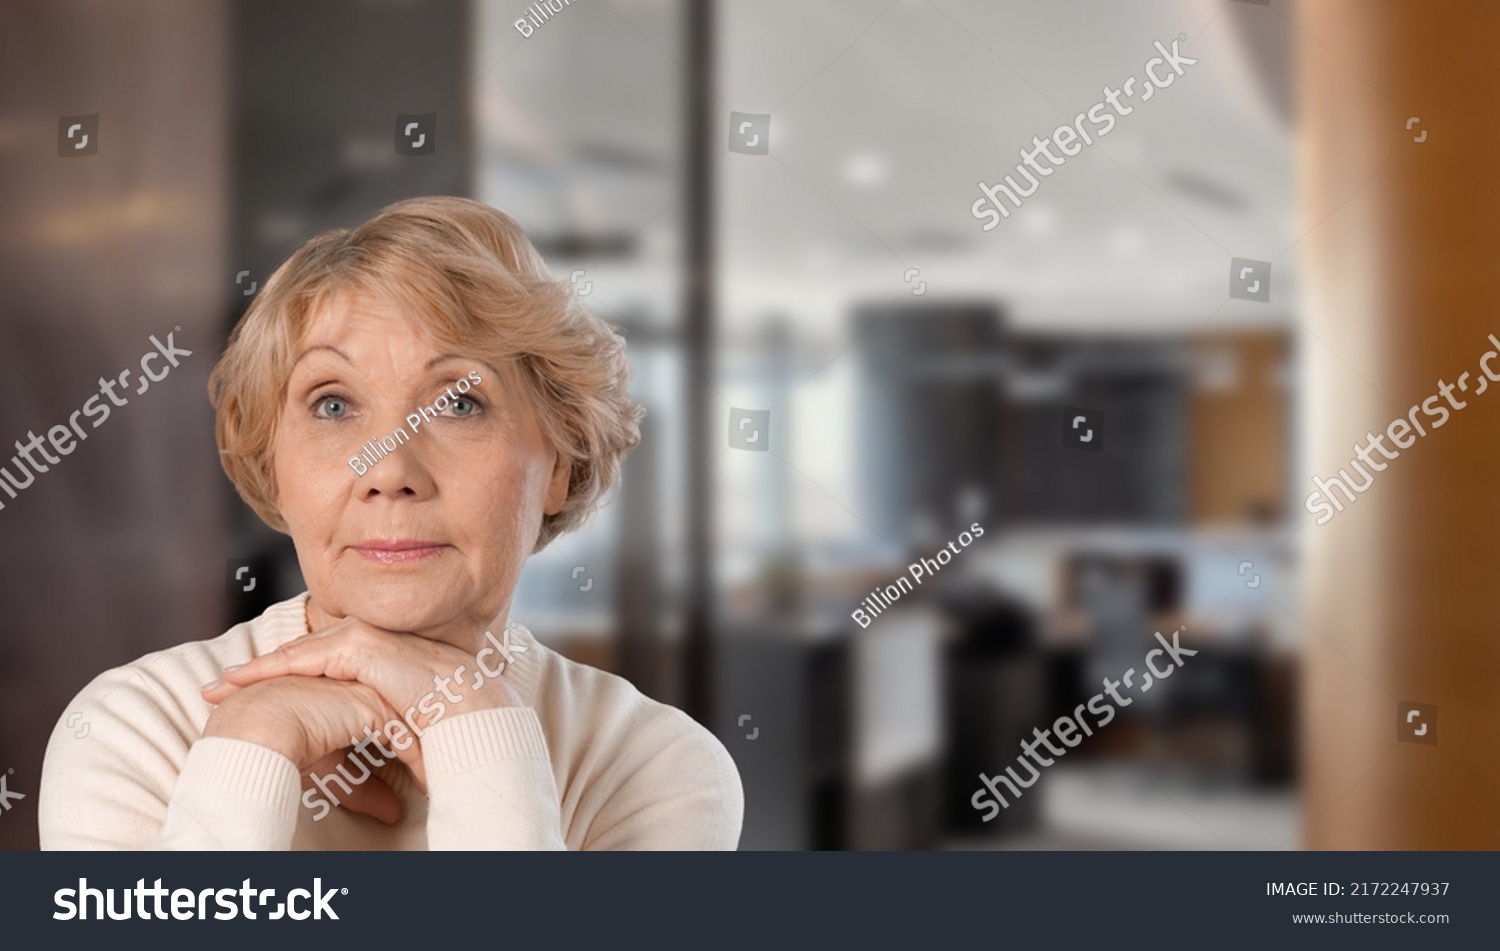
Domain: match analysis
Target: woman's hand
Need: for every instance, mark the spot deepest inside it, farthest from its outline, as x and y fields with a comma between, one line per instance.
x=421, y=679
x=311, y=721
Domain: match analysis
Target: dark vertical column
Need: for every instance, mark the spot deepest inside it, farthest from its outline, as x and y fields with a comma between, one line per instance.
x=697, y=337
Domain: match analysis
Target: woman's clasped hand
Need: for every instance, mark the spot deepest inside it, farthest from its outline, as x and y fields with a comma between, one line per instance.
x=314, y=698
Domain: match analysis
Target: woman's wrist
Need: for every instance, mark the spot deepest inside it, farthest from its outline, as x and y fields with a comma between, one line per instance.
x=228, y=723
x=475, y=739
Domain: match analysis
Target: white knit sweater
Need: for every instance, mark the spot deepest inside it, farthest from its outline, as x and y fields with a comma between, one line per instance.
x=587, y=763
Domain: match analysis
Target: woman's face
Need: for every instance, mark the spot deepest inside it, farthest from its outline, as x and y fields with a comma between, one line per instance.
x=431, y=538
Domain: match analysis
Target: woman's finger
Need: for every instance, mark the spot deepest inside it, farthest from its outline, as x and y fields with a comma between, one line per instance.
x=334, y=654
x=371, y=797
x=375, y=742
x=383, y=742
x=409, y=672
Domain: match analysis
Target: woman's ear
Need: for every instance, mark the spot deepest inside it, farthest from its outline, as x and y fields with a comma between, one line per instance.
x=557, y=486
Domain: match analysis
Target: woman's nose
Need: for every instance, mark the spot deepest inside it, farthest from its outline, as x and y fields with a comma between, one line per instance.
x=394, y=466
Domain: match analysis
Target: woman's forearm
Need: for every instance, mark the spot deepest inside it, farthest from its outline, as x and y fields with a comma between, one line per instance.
x=141, y=777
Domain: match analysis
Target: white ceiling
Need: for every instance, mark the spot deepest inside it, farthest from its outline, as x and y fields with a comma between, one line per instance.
x=884, y=116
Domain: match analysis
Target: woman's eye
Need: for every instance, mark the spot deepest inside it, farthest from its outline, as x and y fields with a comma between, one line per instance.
x=464, y=407
x=332, y=407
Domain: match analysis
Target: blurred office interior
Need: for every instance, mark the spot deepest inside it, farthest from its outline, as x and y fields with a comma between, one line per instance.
x=903, y=407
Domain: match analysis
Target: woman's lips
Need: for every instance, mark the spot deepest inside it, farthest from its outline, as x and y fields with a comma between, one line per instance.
x=397, y=552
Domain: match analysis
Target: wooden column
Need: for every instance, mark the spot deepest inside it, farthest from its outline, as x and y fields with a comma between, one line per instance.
x=1400, y=272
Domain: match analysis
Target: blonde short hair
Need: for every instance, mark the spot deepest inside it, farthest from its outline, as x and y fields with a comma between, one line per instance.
x=468, y=273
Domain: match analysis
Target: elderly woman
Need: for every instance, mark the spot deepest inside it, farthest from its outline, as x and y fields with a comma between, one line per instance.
x=420, y=407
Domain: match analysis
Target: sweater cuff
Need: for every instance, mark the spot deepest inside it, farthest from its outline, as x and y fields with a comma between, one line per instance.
x=257, y=774
x=470, y=741
x=232, y=794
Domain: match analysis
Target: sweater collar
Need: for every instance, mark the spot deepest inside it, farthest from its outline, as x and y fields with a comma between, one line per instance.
x=524, y=673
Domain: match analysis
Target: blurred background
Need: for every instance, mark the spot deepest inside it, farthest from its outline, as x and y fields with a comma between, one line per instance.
x=906, y=374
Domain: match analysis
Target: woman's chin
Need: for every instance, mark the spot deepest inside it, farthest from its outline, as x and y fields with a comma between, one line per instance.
x=397, y=610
